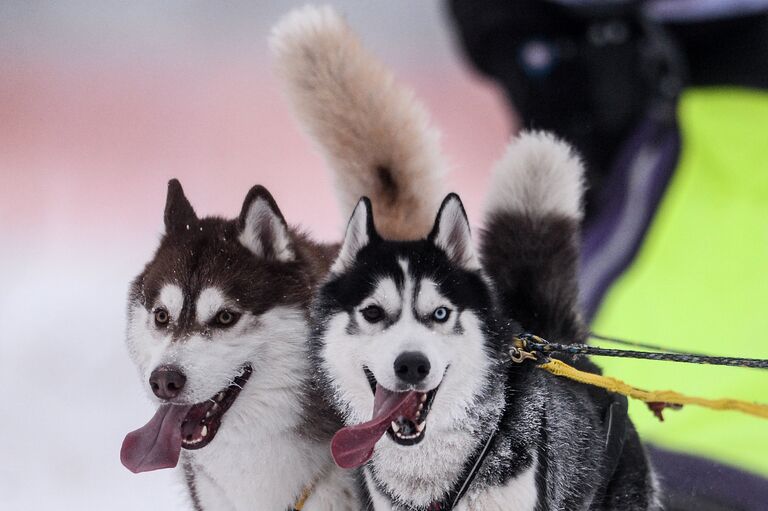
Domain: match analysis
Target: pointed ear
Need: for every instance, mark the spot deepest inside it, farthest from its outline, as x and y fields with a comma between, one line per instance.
x=262, y=227
x=178, y=211
x=451, y=233
x=360, y=232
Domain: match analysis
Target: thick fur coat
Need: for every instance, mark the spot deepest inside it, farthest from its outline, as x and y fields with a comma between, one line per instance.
x=545, y=438
x=218, y=319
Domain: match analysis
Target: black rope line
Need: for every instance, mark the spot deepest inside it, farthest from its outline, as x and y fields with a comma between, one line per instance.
x=536, y=343
x=637, y=344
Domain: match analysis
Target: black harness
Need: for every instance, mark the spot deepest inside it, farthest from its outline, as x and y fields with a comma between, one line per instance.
x=615, y=420
x=470, y=471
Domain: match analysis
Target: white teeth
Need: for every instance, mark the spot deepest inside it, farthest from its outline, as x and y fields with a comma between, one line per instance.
x=419, y=430
x=423, y=398
x=220, y=396
x=204, y=432
x=421, y=407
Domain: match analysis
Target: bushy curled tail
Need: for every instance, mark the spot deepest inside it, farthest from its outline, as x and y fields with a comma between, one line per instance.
x=374, y=135
x=530, y=244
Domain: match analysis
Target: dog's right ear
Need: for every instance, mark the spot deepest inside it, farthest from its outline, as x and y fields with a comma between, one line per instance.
x=178, y=211
x=360, y=231
x=263, y=229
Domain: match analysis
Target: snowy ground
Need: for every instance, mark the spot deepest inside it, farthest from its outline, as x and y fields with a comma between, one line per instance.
x=68, y=389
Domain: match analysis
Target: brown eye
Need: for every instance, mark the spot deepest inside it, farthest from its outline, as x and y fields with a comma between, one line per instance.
x=225, y=318
x=373, y=313
x=161, y=317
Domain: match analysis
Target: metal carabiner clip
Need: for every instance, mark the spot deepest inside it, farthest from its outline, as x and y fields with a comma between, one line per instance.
x=517, y=352
x=518, y=355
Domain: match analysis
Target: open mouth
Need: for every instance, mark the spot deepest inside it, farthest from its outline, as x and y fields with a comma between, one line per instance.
x=410, y=430
x=204, y=419
x=402, y=415
x=158, y=444
x=409, y=425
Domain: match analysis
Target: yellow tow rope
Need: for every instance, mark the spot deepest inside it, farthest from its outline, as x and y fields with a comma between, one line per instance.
x=560, y=368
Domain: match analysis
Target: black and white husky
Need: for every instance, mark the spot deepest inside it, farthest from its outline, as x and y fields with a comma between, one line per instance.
x=218, y=319
x=414, y=348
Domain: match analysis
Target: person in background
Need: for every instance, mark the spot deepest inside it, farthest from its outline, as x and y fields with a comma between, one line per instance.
x=667, y=101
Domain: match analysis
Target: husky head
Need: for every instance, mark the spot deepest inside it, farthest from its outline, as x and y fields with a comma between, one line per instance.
x=403, y=339
x=215, y=316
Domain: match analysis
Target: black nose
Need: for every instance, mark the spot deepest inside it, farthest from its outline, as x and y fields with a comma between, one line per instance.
x=412, y=366
x=167, y=382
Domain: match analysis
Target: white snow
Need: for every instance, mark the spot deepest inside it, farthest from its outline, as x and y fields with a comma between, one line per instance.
x=69, y=393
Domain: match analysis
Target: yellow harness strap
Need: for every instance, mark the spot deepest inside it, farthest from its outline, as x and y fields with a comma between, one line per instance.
x=303, y=499
x=560, y=368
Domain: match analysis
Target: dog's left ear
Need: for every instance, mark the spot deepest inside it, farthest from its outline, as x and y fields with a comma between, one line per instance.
x=451, y=233
x=262, y=227
x=360, y=231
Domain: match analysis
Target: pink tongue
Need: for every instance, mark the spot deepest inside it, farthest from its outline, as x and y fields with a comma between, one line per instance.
x=156, y=445
x=353, y=445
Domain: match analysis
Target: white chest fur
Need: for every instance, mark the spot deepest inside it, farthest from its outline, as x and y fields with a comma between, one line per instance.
x=256, y=473
x=259, y=463
x=518, y=494
x=334, y=491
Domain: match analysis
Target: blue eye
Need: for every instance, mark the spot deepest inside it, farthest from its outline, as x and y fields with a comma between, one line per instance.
x=441, y=314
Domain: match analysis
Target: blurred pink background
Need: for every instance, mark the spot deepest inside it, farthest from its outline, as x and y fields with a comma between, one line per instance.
x=100, y=104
